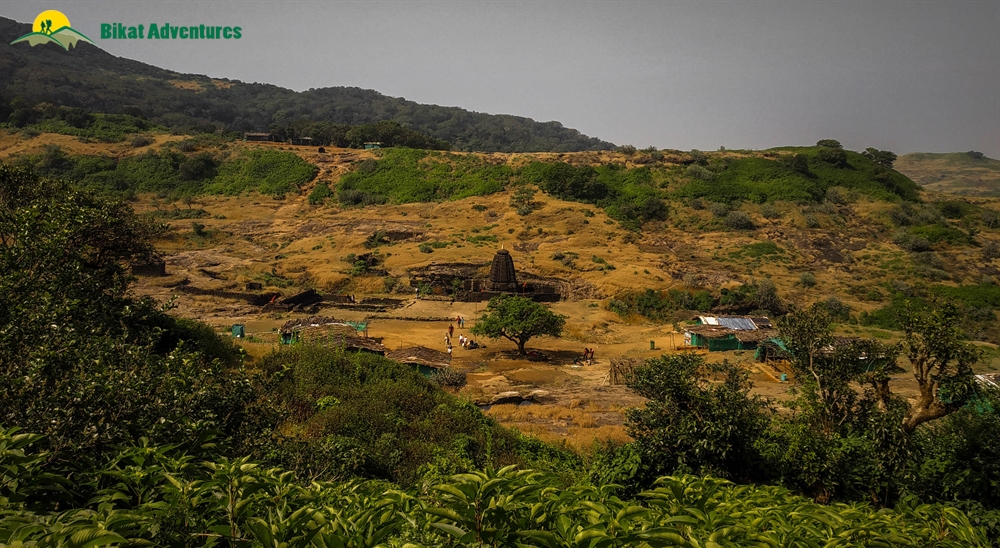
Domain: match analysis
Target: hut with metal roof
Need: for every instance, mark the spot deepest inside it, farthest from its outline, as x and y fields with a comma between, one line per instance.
x=720, y=333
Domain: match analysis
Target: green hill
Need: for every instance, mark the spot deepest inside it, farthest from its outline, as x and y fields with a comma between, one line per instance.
x=966, y=173
x=94, y=79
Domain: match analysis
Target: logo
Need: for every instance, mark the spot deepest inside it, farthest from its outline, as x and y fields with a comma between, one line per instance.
x=53, y=26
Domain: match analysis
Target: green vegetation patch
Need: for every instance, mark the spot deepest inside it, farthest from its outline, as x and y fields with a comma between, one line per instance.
x=757, y=250
x=802, y=179
x=79, y=122
x=171, y=173
x=937, y=233
x=266, y=171
x=406, y=176
x=630, y=196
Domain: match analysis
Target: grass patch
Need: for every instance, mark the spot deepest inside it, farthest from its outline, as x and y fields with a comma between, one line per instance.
x=406, y=176
x=762, y=180
x=757, y=250
x=173, y=174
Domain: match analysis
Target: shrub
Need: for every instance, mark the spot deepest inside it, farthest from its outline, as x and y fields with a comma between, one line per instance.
x=320, y=193
x=719, y=210
x=376, y=239
x=835, y=156
x=807, y=279
x=991, y=250
x=768, y=211
x=837, y=309
x=697, y=204
x=911, y=242
x=627, y=150
x=991, y=218
x=522, y=200
x=449, y=378
x=829, y=143
x=696, y=171
x=360, y=198
x=141, y=140
x=838, y=195
x=739, y=220
x=800, y=164
x=811, y=221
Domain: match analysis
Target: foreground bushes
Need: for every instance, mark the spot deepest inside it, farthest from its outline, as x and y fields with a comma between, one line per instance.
x=161, y=496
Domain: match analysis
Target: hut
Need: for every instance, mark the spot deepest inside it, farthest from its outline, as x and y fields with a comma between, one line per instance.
x=306, y=298
x=372, y=145
x=257, y=136
x=503, y=277
x=772, y=350
x=421, y=358
x=720, y=333
x=301, y=141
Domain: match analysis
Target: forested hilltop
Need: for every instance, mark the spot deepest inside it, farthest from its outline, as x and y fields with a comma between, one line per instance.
x=91, y=78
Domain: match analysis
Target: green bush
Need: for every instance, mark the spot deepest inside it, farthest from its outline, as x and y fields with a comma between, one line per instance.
x=407, y=176
x=320, y=193
x=739, y=220
x=262, y=170
x=761, y=180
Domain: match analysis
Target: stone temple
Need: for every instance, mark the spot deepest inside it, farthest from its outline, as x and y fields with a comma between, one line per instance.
x=469, y=282
x=503, y=277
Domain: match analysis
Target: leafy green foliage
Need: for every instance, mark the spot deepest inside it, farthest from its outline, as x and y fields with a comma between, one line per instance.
x=388, y=133
x=628, y=195
x=406, y=176
x=700, y=417
x=266, y=171
x=522, y=200
x=81, y=122
x=174, y=174
x=157, y=496
x=84, y=363
x=410, y=426
x=883, y=158
x=662, y=306
x=517, y=319
x=765, y=179
x=320, y=193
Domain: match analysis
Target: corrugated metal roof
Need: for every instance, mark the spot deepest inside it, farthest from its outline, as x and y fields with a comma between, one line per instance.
x=739, y=324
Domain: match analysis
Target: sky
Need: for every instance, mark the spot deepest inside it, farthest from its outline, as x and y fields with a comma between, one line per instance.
x=906, y=76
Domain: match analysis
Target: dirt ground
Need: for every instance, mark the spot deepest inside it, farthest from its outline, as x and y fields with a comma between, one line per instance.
x=579, y=406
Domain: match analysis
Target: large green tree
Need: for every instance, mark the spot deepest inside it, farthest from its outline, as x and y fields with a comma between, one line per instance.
x=700, y=418
x=517, y=319
x=84, y=362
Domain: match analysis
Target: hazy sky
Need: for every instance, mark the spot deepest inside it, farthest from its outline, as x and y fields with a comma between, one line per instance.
x=901, y=75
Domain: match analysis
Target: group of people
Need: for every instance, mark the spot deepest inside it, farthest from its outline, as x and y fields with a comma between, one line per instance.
x=463, y=341
x=588, y=357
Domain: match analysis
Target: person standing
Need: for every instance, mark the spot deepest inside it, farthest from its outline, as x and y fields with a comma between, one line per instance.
x=451, y=329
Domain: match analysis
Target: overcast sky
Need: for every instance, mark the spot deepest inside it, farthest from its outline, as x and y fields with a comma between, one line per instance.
x=906, y=76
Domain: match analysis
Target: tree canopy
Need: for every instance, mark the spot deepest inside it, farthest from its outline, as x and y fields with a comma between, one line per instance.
x=517, y=319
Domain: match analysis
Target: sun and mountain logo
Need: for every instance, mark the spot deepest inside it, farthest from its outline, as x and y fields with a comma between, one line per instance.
x=53, y=26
